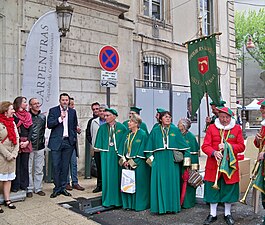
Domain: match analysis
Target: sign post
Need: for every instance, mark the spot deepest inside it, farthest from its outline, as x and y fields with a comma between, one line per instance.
x=109, y=61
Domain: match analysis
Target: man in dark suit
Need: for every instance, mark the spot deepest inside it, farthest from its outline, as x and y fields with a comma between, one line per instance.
x=62, y=121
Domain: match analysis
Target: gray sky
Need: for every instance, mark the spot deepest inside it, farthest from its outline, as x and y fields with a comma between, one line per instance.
x=248, y=5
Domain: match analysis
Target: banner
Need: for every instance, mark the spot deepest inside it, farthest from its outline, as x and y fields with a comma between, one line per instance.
x=41, y=64
x=203, y=71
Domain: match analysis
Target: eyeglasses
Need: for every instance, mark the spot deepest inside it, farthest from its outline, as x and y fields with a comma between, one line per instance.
x=95, y=109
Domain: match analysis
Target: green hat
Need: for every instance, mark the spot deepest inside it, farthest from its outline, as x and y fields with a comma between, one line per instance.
x=135, y=109
x=112, y=111
x=261, y=102
x=225, y=110
x=222, y=103
x=160, y=110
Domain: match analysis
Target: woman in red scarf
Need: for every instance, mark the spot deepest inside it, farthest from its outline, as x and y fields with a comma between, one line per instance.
x=9, y=146
x=24, y=125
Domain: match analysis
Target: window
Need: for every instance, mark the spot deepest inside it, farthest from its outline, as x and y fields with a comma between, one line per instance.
x=206, y=12
x=238, y=86
x=156, y=70
x=152, y=8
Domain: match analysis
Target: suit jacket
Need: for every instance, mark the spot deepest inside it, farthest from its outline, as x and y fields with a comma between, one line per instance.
x=56, y=136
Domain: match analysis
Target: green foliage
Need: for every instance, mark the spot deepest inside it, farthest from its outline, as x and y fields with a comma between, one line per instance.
x=251, y=23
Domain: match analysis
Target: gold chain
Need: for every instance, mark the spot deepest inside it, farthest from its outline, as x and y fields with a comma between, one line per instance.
x=129, y=143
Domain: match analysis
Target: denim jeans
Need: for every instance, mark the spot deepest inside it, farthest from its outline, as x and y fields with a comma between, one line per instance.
x=73, y=169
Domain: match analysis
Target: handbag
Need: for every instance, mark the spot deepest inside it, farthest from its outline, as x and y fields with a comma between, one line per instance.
x=128, y=181
x=195, y=178
x=178, y=156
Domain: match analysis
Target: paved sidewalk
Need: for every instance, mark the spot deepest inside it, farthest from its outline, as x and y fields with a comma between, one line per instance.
x=45, y=210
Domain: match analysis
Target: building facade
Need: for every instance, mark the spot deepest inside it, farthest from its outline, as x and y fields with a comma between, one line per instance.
x=149, y=35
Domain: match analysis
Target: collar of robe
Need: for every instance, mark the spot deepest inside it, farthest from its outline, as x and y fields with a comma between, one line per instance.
x=228, y=127
x=263, y=122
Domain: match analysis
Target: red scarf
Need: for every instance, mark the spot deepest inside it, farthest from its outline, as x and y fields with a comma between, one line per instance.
x=24, y=118
x=9, y=124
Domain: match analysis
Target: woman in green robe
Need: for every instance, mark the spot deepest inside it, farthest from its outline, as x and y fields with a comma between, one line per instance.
x=108, y=140
x=132, y=156
x=163, y=141
x=184, y=125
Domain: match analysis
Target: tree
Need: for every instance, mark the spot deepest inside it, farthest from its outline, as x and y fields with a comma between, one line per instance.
x=251, y=23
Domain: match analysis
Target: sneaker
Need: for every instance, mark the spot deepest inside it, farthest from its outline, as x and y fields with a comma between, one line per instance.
x=41, y=193
x=29, y=195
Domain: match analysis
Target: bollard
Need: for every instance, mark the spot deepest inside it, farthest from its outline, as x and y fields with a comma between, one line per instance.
x=48, y=167
x=87, y=161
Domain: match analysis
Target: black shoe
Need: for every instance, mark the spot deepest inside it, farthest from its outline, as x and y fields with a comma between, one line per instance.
x=54, y=194
x=229, y=220
x=65, y=193
x=210, y=219
x=14, y=190
x=97, y=189
x=9, y=204
x=29, y=195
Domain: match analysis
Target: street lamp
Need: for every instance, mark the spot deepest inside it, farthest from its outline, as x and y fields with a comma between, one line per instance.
x=247, y=45
x=64, y=15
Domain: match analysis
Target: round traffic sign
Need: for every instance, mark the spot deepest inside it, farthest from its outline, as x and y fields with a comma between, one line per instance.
x=109, y=58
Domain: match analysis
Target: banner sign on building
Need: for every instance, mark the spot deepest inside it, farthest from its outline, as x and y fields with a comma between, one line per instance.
x=41, y=64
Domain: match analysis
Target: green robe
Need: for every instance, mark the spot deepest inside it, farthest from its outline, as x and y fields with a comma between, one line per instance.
x=165, y=174
x=111, y=171
x=140, y=200
x=155, y=125
x=190, y=197
x=142, y=126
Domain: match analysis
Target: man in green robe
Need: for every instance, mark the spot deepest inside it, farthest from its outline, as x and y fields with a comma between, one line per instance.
x=108, y=139
x=136, y=110
x=162, y=142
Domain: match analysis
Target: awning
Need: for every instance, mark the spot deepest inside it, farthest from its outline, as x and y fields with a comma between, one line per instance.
x=253, y=105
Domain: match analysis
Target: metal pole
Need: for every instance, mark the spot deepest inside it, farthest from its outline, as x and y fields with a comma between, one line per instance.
x=108, y=96
x=243, y=94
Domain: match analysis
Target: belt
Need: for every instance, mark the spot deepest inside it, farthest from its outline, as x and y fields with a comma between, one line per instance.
x=194, y=153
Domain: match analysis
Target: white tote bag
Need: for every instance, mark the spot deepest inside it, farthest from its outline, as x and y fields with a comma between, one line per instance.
x=128, y=181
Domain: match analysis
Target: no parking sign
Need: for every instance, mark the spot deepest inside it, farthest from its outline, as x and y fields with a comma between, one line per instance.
x=109, y=58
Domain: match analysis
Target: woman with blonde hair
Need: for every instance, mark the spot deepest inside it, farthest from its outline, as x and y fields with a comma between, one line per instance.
x=132, y=156
x=9, y=146
x=184, y=125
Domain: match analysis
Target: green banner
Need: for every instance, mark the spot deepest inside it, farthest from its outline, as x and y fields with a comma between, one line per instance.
x=203, y=71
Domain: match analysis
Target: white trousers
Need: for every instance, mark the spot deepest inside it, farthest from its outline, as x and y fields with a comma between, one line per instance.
x=36, y=163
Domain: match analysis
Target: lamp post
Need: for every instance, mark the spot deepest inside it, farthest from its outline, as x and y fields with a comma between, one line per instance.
x=64, y=14
x=249, y=45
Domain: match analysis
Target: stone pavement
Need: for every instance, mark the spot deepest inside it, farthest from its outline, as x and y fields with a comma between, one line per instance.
x=45, y=210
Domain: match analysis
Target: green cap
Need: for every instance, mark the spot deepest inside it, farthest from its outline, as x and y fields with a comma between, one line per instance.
x=261, y=102
x=112, y=111
x=135, y=109
x=160, y=110
x=222, y=103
